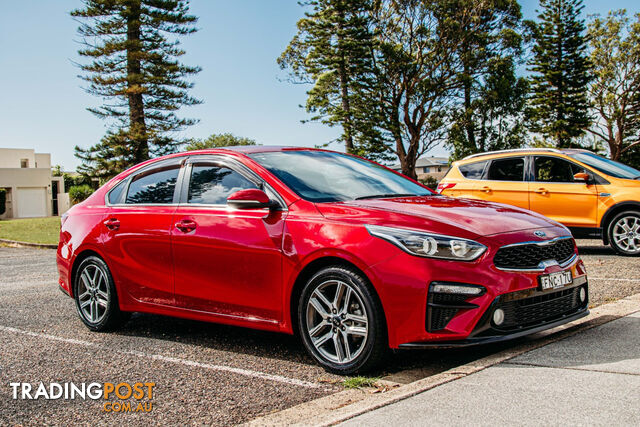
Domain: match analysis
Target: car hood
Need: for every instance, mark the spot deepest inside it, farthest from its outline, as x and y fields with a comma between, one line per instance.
x=474, y=216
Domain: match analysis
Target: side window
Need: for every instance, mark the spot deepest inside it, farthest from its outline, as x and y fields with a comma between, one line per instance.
x=155, y=186
x=212, y=185
x=511, y=169
x=553, y=169
x=472, y=170
x=115, y=194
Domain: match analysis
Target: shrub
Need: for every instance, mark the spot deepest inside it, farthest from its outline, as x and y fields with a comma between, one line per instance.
x=78, y=193
x=430, y=182
x=3, y=200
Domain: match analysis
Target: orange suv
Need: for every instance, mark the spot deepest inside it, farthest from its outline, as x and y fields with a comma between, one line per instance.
x=593, y=196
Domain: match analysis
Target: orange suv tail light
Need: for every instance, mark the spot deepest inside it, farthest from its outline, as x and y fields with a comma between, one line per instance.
x=442, y=186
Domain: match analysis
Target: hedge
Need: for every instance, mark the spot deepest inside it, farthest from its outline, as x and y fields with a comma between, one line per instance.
x=78, y=193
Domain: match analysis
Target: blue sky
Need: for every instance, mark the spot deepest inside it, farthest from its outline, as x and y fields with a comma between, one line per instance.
x=42, y=105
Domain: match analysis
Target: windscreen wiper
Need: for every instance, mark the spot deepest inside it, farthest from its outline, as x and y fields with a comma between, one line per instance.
x=381, y=196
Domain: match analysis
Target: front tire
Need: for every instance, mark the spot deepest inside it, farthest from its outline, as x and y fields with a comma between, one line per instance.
x=624, y=233
x=95, y=296
x=342, y=322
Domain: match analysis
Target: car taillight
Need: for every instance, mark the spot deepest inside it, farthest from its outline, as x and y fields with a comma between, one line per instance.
x=444, y=186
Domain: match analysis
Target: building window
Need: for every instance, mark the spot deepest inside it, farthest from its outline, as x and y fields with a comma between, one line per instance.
x=24, y=163
x=425, y=169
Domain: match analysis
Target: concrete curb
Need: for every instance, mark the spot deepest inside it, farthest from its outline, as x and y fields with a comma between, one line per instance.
x=342, y=406
x=18, y=244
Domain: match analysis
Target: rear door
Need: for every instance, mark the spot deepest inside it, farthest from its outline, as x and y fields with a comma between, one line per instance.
x=138, y=232
x=504, y=182
x=555, y=194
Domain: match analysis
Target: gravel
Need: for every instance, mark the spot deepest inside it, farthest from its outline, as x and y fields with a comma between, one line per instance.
x=30, y=301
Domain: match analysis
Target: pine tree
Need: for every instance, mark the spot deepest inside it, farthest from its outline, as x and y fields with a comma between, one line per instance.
x=134, y=67
x=333, y=51
x=488, y=112
x=558, y=104
x=219, y=140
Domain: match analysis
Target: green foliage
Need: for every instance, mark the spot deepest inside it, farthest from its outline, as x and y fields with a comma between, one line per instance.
x=394, y=62
x=76, y=180
x=3, y=201
x=615, y=91
x=134, y=67
x=78, y=193
x=56, y=170
x=488, y=114
x=558, y=104
x=219, y=140
x=429, y=181
x=333, y=50
x=357, y=382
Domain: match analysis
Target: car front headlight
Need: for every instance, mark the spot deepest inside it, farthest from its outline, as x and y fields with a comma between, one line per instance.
x=429, y=245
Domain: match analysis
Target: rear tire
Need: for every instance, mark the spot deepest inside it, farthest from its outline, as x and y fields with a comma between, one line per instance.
x=342, y=322
x=624, y=233
x=96, y=298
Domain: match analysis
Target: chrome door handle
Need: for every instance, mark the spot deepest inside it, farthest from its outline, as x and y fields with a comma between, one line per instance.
x=541, y=191
x=112, y=224
x=186, y=225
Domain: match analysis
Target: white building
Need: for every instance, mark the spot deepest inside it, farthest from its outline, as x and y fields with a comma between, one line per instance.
x=31, y=189
x=436, y=167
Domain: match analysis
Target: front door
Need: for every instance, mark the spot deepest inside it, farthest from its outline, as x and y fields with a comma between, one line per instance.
x=227, y=261
x=554, y=192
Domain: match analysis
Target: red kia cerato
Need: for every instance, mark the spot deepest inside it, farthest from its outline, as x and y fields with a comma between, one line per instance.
x=349, y=254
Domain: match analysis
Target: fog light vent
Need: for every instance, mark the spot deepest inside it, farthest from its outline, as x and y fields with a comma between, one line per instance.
x=498, y=317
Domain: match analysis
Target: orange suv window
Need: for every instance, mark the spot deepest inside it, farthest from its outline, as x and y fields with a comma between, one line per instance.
x=473, y=170
x=511, y=169
x=553, y=169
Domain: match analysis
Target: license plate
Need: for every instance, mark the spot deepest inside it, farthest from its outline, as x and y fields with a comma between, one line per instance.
x=556, y=280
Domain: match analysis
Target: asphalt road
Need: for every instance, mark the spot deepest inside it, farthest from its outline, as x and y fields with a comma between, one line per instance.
x=204, y=373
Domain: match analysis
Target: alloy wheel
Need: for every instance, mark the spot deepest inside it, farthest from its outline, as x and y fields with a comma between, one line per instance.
x=626, y=234
x=337, y=322
x=93, y=293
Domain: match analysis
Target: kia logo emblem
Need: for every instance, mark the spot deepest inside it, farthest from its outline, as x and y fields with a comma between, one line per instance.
x=540, y=233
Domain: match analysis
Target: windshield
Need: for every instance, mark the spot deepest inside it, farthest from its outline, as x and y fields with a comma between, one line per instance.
x=610, y=167
x=321, y=176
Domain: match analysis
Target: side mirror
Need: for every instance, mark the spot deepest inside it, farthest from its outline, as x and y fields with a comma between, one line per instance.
x=249, y=199
x=582, y=177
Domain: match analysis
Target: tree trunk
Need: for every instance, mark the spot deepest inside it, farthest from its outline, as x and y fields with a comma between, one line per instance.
x=347, y=124
x=468, y=112
x=137, y=125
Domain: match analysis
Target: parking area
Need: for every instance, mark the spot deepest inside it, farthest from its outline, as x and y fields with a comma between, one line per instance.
x=204, y=373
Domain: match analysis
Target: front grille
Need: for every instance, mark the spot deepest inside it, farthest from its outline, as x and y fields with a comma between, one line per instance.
x=528, y=256
x=529, y=312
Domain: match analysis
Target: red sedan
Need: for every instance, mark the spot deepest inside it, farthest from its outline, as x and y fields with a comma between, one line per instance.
x=352, y=256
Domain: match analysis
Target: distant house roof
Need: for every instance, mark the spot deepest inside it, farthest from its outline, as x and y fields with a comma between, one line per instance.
x=425, y=161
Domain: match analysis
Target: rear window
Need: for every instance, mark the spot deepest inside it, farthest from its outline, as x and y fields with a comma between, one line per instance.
x=115, y=195
x=154, y=187
x=511, y=169
x=473, y=170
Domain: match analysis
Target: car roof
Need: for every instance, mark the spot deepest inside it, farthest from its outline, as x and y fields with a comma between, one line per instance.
x=250, y=149
x=523, y=151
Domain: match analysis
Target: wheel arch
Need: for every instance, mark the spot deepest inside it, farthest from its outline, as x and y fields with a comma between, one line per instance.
x=312, y=268
x=612, y=212
x=77, y=260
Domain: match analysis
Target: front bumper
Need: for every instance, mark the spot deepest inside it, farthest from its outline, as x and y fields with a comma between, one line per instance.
x=536, y=313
